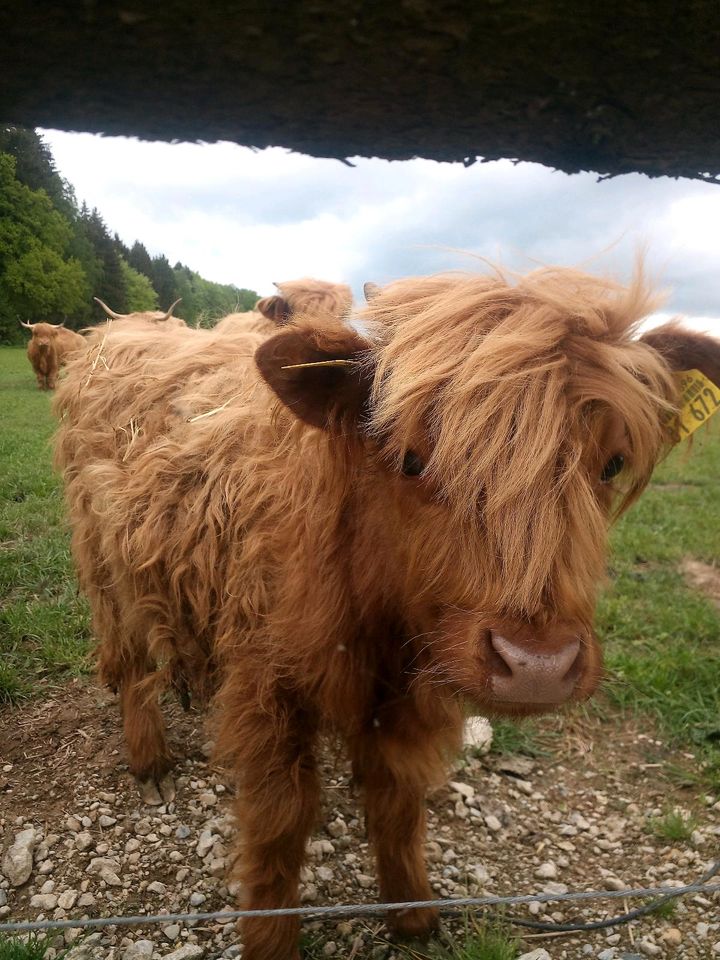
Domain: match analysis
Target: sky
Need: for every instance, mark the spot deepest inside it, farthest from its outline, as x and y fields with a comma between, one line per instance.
x=253, y=217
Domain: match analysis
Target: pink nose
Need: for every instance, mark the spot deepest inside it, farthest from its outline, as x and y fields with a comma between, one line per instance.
x=527, y=672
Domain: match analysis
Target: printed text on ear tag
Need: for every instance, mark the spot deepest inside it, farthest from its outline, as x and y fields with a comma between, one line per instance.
x=699, y=400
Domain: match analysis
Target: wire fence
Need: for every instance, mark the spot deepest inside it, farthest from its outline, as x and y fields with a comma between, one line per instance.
x=446, y=906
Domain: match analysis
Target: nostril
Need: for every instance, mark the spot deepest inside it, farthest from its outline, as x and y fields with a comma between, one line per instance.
x=576, y=667
x=496, y=662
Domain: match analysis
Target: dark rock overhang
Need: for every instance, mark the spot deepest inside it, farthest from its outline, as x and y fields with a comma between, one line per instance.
x=576, y=84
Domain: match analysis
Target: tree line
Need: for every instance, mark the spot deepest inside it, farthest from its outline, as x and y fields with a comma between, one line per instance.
x=56, y=255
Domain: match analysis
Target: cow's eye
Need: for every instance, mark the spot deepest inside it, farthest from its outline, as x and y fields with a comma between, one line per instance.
x=612, y=468
x=412, y=465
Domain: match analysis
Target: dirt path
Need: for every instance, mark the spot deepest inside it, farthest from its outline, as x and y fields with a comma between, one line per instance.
x=576, y=819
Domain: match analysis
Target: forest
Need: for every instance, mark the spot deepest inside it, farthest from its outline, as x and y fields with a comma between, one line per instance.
x=57, y=254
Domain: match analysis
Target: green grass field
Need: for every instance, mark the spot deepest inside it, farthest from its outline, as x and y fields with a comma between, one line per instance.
x=662, y=636
x=43, y=621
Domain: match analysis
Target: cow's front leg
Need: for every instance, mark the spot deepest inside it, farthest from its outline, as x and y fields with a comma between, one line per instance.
x=394, y=774
x=276, y=807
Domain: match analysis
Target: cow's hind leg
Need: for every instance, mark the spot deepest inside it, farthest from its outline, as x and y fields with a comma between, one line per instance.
x=149, y=756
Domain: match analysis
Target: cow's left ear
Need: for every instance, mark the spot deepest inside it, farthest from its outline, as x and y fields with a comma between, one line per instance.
x=274, y=308
x=322, y=374
x=684, y=349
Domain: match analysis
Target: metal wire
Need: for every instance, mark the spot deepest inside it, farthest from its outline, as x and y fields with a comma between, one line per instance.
x=448, y=905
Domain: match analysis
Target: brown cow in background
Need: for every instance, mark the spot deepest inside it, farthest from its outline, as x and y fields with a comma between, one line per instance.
x=49, y=347
x=365, y=535
x=307, y=296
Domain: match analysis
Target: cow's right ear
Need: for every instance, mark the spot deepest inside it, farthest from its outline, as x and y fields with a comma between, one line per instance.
x=323, y=375
x=274, y=308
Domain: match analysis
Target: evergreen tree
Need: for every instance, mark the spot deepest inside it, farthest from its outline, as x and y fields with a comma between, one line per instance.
x=35, y=167
x=139, y=259
x=110, y=281
x=163, y=280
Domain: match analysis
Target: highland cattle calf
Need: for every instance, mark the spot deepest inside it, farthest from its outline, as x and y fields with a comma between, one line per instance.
x=163, y=318
x=362, y=534
x=48, y=350
x=304, y=297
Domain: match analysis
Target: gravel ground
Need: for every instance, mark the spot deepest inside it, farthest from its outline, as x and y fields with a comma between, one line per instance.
x=77, y=842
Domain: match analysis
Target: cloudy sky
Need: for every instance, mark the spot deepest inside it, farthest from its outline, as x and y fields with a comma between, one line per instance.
x=244, y=217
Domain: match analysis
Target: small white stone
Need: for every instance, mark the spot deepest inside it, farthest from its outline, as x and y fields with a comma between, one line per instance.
x=84, y=840
x=546, y=871
x=18, y=859
x=138, y=950
x=650, y=949
x=337, y=828
x=539, y=954
x=464, y=789
x=673, y=936
x=477, y=735
x=188, y=951
x=205, y=843
x=492, y=823
x=44, y=901
x=67, y=899
x=157, y=887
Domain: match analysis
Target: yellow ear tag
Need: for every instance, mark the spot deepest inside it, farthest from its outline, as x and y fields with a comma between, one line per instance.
x=700, y=399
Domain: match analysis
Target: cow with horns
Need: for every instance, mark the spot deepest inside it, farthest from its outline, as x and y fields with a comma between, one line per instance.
x=160, y=317
x=362, y=530
x=49, y=348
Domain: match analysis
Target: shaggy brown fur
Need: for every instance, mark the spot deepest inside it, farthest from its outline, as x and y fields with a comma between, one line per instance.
x=417, y=529
x=305, y=297
x=48, y=350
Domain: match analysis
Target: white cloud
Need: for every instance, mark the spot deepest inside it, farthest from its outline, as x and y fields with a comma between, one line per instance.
x=253, y=217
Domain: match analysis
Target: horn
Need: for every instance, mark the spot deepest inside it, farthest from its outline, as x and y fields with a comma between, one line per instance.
x=169, y=313
x=108, y=311
x=371, y=290
x=28, y=326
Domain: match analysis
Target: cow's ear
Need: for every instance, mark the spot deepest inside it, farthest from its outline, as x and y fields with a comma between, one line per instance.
x=322, y=374
x=684, y=349
x=274, y=308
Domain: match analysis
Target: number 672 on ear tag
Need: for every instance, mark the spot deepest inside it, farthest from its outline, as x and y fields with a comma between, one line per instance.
x=699, y=400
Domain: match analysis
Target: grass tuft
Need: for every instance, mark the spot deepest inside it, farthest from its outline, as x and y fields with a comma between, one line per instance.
x=673, y=825
x=31, y=948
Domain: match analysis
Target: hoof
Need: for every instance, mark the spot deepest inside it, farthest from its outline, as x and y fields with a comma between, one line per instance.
x=417, y=924
x=154, y=793
x=167, y=788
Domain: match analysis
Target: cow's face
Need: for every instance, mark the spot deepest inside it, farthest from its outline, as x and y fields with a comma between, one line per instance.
x=499, y=428
x=44, y=335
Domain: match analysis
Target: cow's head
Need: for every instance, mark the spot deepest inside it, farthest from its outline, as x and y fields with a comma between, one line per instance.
x=43, y=335
x=493, y=431
x=317, y=298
